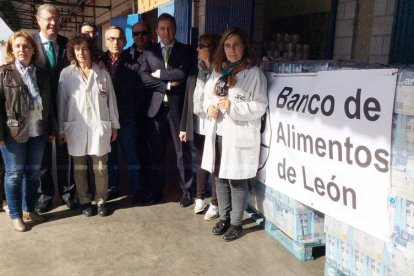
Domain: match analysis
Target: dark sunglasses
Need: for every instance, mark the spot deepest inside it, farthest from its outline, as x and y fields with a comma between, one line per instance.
x=140, y=33
x=201, y=46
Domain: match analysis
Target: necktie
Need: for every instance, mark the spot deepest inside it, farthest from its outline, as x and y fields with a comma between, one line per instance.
x=166, y=55
x=51, y=55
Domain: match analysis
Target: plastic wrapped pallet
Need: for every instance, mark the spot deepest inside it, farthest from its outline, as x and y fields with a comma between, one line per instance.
x=298, y=221
x=402, y=154
x=295, y=226
x=404, y=97
x=402, y=170
x=256, y=197
x=402, y=157
x=350, y=251
x=289, y=67
x=402, y=234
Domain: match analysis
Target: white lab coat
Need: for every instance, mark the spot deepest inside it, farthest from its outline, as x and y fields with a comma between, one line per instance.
x=87, y=111
x=240, y=126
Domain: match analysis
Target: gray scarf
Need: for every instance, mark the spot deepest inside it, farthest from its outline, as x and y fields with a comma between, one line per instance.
x=198, y=96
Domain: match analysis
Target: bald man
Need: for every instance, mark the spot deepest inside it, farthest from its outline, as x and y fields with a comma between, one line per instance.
x=141, y=33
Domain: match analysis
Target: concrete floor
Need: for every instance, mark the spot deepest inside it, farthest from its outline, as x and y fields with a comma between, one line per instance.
x=163, y=239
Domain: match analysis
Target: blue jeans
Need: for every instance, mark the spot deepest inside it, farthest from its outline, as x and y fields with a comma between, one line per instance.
x=22, y=163
x=127, y=140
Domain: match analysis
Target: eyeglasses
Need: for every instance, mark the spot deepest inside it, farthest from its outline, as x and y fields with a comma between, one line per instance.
x=142, y=33
x=50, y=19
x=201, y=46
x=113, y=39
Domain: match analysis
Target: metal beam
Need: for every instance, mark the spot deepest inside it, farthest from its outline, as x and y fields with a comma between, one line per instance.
x=20, y=12
x=62, y=4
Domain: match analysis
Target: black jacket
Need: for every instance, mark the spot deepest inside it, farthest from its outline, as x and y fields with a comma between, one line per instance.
x=128, y=86
x=61, y=60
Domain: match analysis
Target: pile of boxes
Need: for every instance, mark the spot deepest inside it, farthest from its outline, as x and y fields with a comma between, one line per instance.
x=353, y=252
x=298, y=221
x=296, y=226
x=350, y=251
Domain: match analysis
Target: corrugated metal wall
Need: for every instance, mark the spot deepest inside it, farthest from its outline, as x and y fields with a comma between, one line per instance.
x=221, y=15
x=402, y=40
x=182, y=13
x=126, y=23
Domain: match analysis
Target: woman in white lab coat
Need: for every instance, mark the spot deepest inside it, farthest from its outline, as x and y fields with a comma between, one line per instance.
x=88, y=119
x=235, y=100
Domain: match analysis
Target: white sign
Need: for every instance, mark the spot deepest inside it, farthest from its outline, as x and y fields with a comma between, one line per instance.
x=327, y=143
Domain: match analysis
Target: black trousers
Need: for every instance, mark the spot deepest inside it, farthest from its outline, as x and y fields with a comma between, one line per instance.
x=159, y=127
x=203, y=175
x=64, y=167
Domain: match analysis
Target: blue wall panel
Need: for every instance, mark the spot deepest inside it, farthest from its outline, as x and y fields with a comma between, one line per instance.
x=126, y=23
x=221, y=15
x=167, y=8
x=402, y=40
x=181, y=10
x=182, y=15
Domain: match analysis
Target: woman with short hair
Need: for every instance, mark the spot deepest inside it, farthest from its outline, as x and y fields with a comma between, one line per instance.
x=88, y=119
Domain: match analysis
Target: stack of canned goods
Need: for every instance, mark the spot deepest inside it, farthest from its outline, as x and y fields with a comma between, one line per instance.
x=286, y=46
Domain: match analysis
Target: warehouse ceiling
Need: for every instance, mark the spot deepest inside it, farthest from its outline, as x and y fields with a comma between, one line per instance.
x=21, y=14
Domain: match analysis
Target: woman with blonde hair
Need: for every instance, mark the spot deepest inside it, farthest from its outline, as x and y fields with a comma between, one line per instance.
x=27, y=120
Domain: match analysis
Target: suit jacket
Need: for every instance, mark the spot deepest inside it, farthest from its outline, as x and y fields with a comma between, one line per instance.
x=182, y=58
x=61, y=59
x=133, y=53
x=187, y=117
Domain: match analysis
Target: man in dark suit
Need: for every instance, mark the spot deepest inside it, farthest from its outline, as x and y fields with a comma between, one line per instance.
x=52, y=57
x=141, y=34
x=164, y=69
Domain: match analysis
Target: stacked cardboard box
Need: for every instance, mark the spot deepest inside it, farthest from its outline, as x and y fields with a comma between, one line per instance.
x=296, y=226
x=353, y=252
x=298, y=221
x=350, y=251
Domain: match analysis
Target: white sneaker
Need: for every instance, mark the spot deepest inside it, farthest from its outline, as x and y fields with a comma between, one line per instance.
x=200, y=205
x=212, y=212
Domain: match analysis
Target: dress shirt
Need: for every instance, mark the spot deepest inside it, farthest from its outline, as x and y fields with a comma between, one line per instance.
x=45, y=41
x=157, y=73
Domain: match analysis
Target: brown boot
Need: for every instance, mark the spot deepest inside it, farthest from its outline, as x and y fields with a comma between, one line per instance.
x=18, y=225
x=33, y=216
